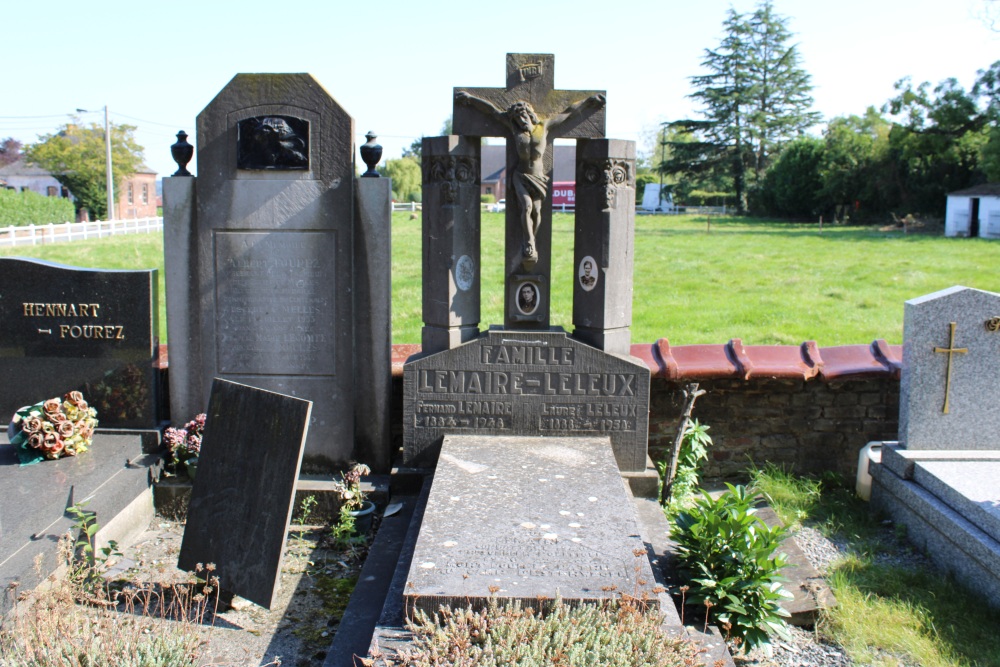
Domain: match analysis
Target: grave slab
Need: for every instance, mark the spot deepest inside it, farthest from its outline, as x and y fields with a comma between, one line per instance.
x=526, y=383
x=946, y=396
x=520, y=518
x=65, y=328
x=241, y=500
x=110, y=475
x=969, y=488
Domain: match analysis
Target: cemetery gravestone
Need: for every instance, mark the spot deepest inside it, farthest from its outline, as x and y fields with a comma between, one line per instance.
x=67, y=329
x=242, y=498
x=267, y=254
x=530, y=384
x=523, y=518
x=949, y=338
x=939, y=480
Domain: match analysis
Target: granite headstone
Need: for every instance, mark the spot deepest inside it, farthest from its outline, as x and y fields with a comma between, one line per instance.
x=530, y=384
x=243, y=494
x=524, y=518
x=65, y=328
x=261, y=254
x=950, y=340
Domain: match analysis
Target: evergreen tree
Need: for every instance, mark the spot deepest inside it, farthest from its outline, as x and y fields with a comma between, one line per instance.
x=754, y=97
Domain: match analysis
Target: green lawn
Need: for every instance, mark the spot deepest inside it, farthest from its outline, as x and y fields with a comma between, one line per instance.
x=764, y=282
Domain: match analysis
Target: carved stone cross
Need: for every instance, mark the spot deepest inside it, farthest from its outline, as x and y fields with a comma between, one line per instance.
x=530, y=114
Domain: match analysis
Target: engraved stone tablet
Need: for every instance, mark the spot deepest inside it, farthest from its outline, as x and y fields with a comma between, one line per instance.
x=521, y=518
x=526, y=383
x=275, y=311
x=65, y=328
x=242, y=498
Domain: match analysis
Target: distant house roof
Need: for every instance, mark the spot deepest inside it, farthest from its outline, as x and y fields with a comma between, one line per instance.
x=984, y=190
x=22, y=168
x=494, y=160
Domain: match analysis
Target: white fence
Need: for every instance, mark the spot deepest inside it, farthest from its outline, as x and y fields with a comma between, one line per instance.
x=77, y=231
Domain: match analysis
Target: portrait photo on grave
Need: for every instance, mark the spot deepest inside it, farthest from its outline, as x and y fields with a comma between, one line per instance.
x=527, y=298
x=587, y=273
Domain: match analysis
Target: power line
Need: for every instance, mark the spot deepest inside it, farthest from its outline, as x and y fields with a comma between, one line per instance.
x=141, y=120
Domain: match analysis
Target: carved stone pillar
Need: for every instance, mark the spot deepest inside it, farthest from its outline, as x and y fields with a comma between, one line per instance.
x=451, y=216
x=604, y=243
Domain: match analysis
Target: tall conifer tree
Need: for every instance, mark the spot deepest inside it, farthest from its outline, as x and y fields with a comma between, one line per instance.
x=754, y=97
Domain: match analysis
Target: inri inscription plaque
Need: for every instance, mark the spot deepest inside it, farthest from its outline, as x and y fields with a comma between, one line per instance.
x=275, y=312
x=526, y=383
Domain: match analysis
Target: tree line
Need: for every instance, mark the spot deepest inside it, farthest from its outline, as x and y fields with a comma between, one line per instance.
x=749, y=144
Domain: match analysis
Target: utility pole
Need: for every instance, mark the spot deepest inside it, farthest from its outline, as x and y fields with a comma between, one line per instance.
x=111, y=180
x=107, y=162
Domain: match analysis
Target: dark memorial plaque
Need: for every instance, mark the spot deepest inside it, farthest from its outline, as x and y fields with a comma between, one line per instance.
x=65, y=328
x=523, y=518
x=272, y=142
x=242, y=498
x=526, y=383
x=275, y=311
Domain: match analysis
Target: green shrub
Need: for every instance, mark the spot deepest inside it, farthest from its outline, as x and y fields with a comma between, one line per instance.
x=726, y=554
x=607, y=635
x=487, y=199
x=30, y=208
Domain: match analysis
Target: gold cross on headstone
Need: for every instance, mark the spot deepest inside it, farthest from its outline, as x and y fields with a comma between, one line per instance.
x=950, y=351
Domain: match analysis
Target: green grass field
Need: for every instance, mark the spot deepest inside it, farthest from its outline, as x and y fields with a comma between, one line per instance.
x=763, y=282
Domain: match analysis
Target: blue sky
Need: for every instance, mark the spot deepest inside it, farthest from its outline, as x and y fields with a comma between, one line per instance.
x=392, y=64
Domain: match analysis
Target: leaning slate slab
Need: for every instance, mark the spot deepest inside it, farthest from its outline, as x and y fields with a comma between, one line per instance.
x=521, y=518
x=242, y=497
x=65, y=328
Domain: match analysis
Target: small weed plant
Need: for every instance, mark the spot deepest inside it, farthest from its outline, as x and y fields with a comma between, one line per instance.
x=727, y=555
x=792, y=498
x=695, y=444
x=615, y=634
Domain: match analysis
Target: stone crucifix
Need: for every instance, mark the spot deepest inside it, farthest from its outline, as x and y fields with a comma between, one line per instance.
x=529, y=113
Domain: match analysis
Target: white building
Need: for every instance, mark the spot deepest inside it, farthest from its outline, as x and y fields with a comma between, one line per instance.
x=974, y=211
x=22, y=176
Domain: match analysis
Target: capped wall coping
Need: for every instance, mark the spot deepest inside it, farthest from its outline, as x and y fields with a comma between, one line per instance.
x=734, y=360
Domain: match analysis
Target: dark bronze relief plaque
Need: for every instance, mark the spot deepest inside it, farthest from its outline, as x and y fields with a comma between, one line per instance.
x=272, y=142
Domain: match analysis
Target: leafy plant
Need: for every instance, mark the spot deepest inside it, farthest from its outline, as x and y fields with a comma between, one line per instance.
x=726, y=553
x=606, y=635
x=694, y=451
x=352, y=498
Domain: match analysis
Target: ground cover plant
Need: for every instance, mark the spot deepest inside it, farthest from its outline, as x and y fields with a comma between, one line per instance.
x=616, y=634
x=762, y=281
x=893, y=608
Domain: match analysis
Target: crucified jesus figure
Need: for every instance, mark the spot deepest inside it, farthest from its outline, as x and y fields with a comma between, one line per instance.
x=531, y=138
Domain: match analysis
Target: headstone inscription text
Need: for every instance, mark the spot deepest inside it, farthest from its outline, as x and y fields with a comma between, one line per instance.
x=66, y=328
x=274, y=313
x=514, y=383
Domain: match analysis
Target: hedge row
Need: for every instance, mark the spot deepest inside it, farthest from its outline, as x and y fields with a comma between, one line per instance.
x=30, y=208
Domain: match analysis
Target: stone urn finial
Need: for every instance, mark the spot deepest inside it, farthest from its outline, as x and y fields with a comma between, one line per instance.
x=182, y=153
x=371, y=153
